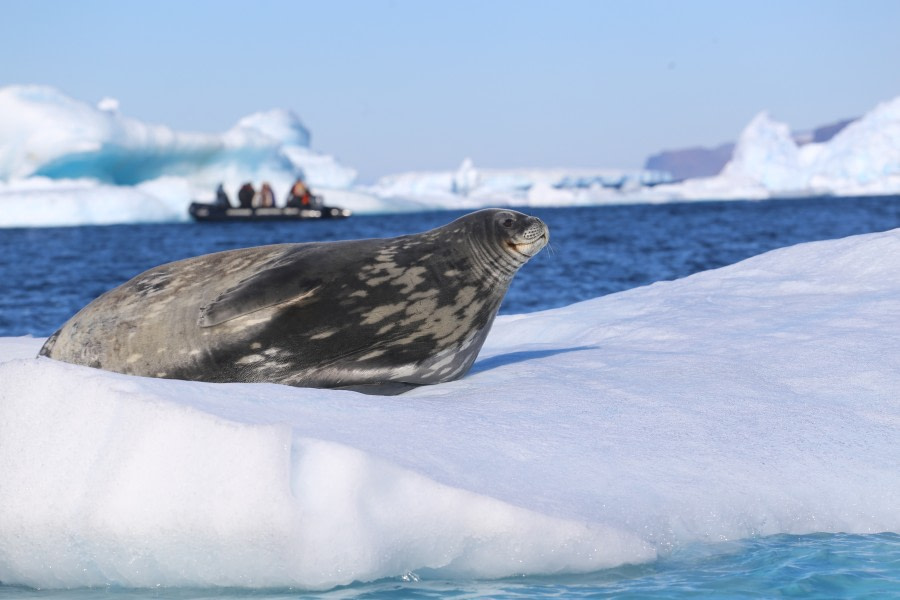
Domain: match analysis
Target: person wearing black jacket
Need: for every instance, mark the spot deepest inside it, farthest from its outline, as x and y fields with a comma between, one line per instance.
x=245, y=195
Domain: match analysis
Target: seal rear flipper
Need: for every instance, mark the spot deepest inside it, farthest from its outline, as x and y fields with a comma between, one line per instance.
x=262, y=290
x=47, y=348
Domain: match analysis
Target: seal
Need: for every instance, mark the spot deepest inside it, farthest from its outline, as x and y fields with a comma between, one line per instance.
x=373, y=315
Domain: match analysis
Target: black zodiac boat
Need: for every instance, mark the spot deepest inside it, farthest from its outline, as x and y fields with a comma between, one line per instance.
x=202, y=211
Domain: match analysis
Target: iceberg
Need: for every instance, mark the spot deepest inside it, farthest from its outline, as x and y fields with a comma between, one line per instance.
x=471, y=187
x=755, y=399
x=863, y=159
x=65, y=162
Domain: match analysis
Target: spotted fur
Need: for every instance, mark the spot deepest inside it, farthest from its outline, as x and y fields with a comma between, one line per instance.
x=376, y=314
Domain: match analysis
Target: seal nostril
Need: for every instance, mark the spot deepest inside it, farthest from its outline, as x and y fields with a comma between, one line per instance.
x=533, y=232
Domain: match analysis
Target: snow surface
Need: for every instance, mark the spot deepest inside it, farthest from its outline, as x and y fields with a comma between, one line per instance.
x=755, y=399
x=64, y=162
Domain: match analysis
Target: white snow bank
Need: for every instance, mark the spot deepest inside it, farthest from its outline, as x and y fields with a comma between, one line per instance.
x=130, y=483
x=13, y=348
x=756, y=399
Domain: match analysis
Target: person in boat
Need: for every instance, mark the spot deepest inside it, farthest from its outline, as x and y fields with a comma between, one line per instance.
x=245, y=195
x=265, y=197
x=222, y=197
x=299, y=196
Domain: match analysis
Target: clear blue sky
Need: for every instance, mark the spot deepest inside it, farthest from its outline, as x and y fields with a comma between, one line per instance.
x=396, y=85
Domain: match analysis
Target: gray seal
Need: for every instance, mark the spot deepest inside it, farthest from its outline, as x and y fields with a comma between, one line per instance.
x=374, y=315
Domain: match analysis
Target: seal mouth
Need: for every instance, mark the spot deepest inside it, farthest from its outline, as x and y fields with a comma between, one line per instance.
x=530, y=248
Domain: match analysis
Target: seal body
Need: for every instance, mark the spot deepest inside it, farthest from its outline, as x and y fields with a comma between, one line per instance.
x=376, y=315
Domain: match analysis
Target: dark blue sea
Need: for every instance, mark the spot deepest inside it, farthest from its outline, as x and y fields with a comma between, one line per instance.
x=48, y=274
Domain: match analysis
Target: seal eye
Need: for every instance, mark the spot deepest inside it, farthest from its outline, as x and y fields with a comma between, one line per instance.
x=507, y=223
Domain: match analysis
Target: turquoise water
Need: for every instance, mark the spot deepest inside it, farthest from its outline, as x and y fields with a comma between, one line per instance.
x=809, y=566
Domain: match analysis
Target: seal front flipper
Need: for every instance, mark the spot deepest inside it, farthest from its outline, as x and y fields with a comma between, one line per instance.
x=389, y=388
x=294, y=276
x=277, y=285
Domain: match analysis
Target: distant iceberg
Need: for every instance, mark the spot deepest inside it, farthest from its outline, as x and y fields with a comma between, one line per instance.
x=471, y=187
x=64, y=162
x=863, y=159
x=752, y=400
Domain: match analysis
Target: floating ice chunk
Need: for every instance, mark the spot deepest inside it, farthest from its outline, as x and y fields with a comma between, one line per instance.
x=755, y=399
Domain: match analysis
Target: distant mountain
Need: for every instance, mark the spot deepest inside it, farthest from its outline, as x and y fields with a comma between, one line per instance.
x=687, y=163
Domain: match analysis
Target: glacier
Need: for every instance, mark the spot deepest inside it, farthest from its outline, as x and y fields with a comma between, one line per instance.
x=65, y=162
x=755, y=399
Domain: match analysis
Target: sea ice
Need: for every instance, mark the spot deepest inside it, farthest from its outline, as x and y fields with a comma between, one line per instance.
x=756, y=399
x=63, y=162
x=113, y=158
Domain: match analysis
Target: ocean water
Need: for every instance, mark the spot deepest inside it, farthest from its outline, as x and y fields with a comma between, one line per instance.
x=819, y=566
x=48, y=274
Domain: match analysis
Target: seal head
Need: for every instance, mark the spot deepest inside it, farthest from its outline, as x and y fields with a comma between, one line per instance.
x=377, y=315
